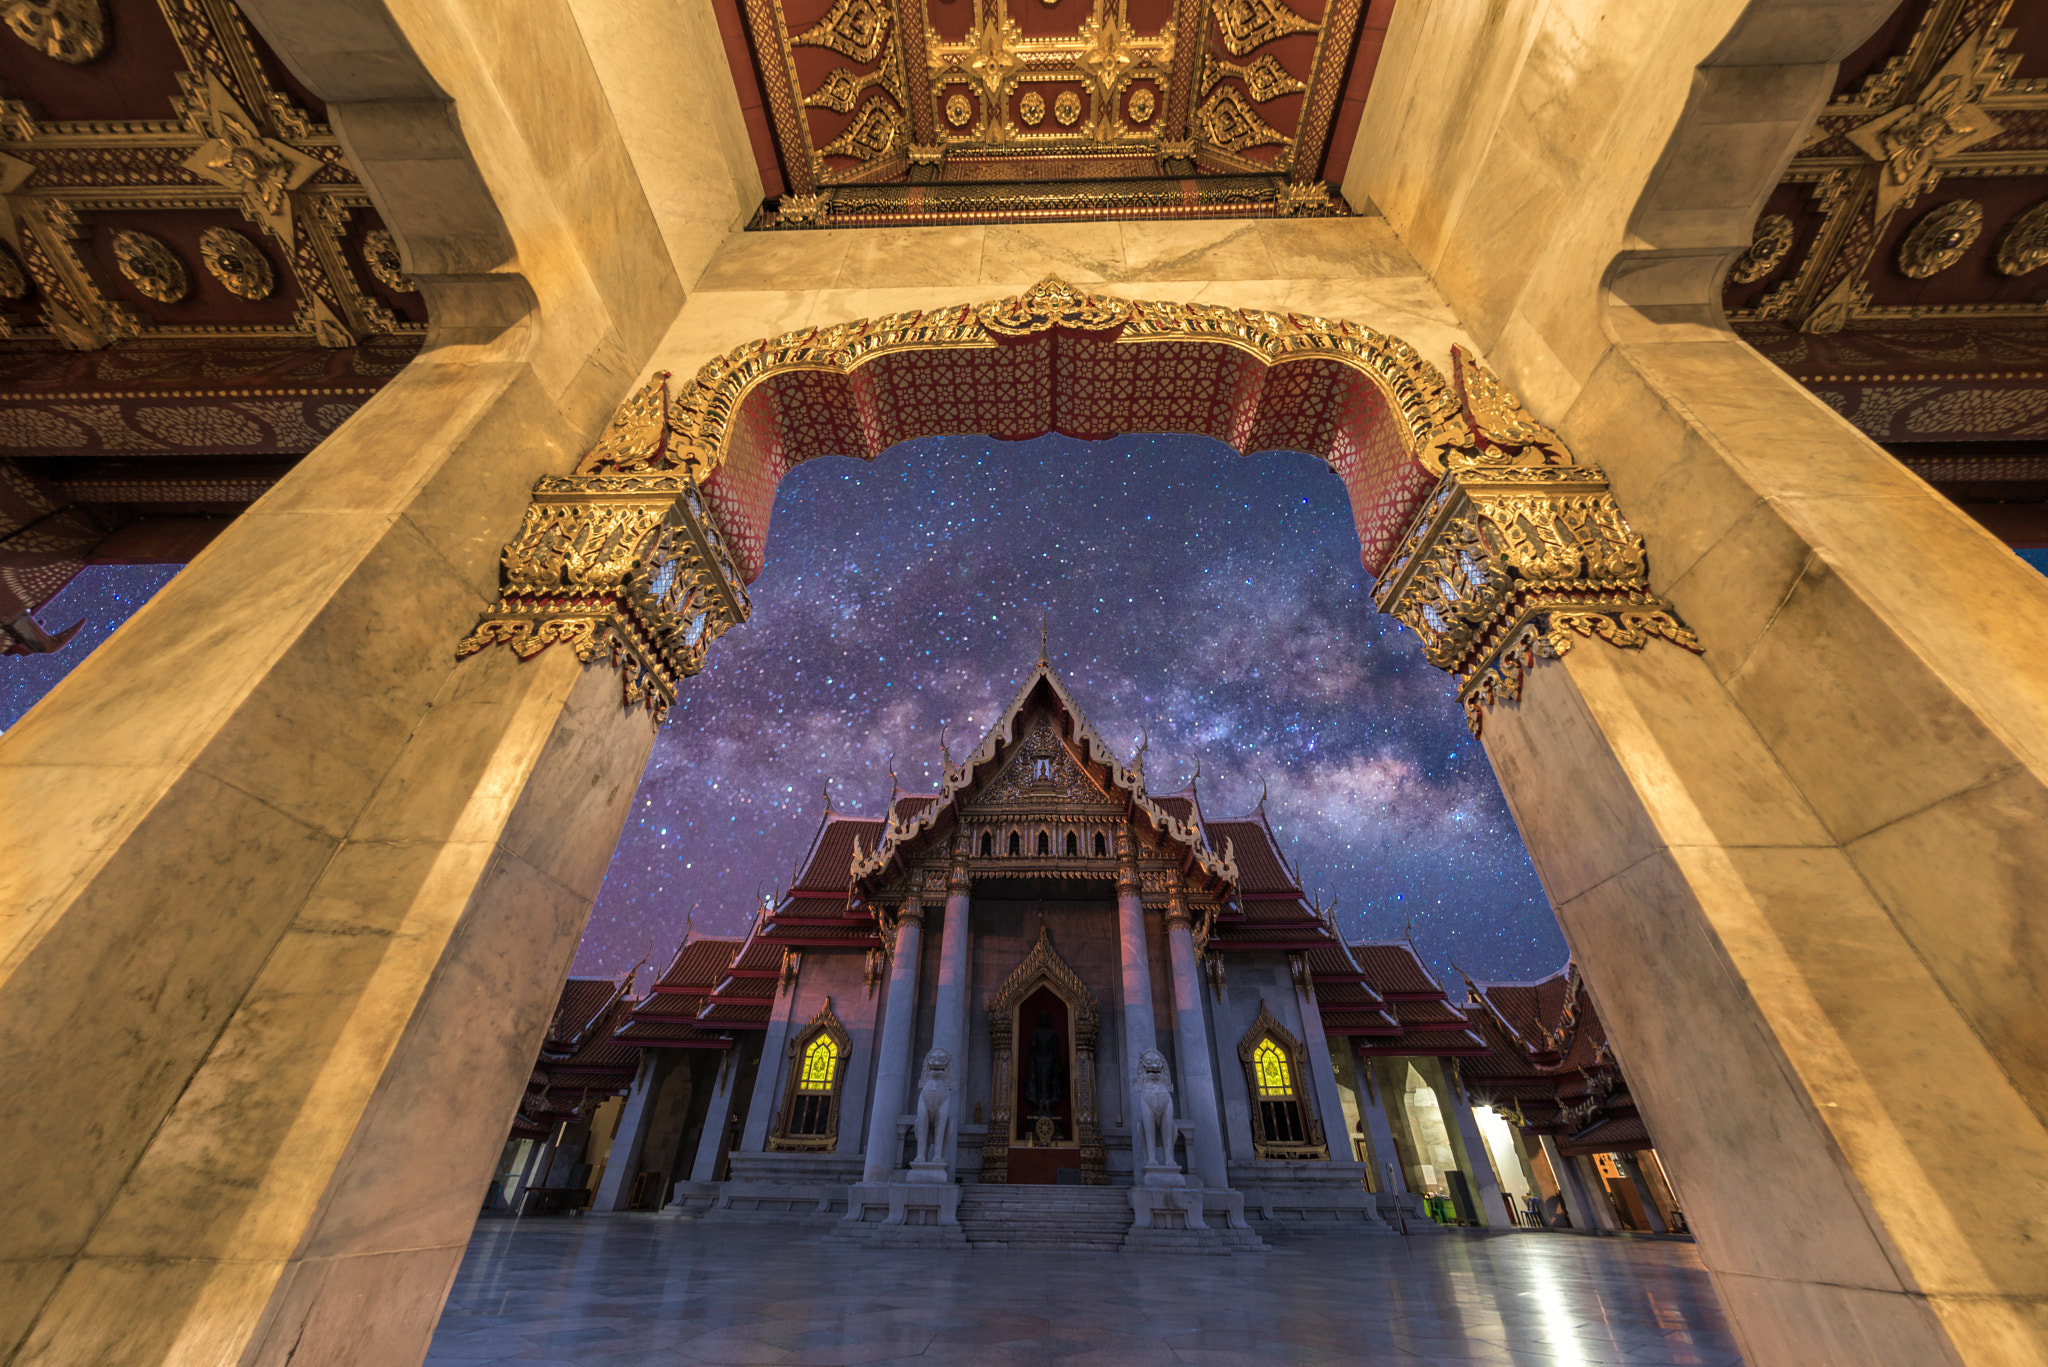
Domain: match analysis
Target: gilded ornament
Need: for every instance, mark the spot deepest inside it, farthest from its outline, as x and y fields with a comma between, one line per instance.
x=1249, y=24
x=811, y=209
x=959, y=110
x=2023, y=246
x=1051, y=303
x=875, y=132
x=1944, y=120
x=1940, y=238
x=1767, y=248
x=151, y=266
x=1142, y=104
x=635, y=441
x=1305, y=199
x=13, y=280
x=1031, y=109
x=380, y=253
x=840, y=89
x=72, y=31
x=1067, y=108
x=852, y=28
x=236, y=262
x=1263, y=76
x=1227, y=122
x=243, y=157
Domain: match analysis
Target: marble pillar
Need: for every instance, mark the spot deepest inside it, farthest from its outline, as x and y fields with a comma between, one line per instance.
x=1634, y=1169
x=1191, y=1044
x=717, y=1117
x=1479, y=1171
x=1140, y=1031
x=535, y=1173
x=615, y=1188
x=949, y=1014
x=1387, y=1174
x=892, y=1058
x=1322, y=1078
x=1570, y=1190
x=768, y=1079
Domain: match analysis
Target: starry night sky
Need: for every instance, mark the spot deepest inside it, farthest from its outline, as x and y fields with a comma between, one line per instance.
x=1213, y=600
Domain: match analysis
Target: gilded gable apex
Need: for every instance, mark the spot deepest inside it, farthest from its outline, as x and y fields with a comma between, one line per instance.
x=1041, y=770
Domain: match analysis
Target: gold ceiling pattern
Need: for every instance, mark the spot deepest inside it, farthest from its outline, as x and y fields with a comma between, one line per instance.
x=878, y=92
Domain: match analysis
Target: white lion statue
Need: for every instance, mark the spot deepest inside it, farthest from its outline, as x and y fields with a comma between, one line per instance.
x=1155, y=1109
x=935, y=1108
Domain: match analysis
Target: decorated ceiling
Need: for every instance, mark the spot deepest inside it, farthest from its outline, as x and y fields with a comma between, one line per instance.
x=194, y=289
x=1900, y=270
x=953, y=111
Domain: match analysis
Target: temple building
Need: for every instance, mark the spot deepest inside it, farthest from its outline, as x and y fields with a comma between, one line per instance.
x=1047, y=923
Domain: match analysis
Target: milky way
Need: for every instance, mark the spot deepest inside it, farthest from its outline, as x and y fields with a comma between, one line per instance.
x=1213, y=602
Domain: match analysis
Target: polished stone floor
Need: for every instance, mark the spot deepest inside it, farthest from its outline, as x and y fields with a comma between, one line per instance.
x=643, y=1291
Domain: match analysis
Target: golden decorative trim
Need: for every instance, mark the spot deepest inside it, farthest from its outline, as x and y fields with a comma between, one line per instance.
x=629, y=566
x=380, y=253
x=237, y=263
x=1767, y=248
x=1518, y=553
x=1940, y=238
x=1267, y=1026
x=1228, y=122
x=71, y=31
x=853, y=28
x=151, y=266
x=781, y=1140
x=2023, y=247
x=1249, y=24
x=1043, y=965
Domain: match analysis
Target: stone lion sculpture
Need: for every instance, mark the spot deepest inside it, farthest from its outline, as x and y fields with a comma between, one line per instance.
x=1155, y=1109
x=935, y=1108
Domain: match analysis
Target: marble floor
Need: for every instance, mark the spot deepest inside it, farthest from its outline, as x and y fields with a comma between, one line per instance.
x=643, y=1291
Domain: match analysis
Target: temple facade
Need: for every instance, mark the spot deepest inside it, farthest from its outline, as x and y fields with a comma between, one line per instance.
x=1046, y=976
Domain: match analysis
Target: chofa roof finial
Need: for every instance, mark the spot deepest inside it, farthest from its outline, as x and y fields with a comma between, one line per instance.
x=1043, y=618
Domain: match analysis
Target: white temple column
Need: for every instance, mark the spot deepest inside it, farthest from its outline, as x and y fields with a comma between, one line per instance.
x=717, y=1116
x=1641, y=1183
x=615, y=1189
x=1479, y=1173
x=1140, y=1033
x=892, y=1059
x=1322, y=1082
x=768, y=1077
x=1578, y=1207
x=1197, y=1078
x=1388, y=1174
x=949, y=1017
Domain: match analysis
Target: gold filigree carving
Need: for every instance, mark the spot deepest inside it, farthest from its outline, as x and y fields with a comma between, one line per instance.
x=1141, y=105
x=13, y=283
x=1249, y=24
x=1767, y=248
x=1263, y=77
x=804, y=208
x=1303, y=198
x=151, y=266
x=237, y=263
x=852, y=28
x=380, y=253
x=1270, y=1125
x=635, y=441
x=1053, y=303
x=1227, y=121
x=960, y=110
x=1517, y=552
x=2022, y=247
x=1067, y=108
x=72, y=31
x=1945, y=120
x=630, y=568
x=841, y=87
x=1031, y=109
x=875, y=132
x=1940, y=238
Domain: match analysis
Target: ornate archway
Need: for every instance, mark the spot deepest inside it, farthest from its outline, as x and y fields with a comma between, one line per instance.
x=1487, y=538
x=1043, y=968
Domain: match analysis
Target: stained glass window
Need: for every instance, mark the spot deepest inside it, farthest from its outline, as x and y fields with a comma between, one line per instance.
x=1269, y=1064
x=821, y=1062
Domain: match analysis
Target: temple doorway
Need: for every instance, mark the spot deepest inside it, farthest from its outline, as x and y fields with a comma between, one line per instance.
x=1043, y=1141
x=1045, y=1126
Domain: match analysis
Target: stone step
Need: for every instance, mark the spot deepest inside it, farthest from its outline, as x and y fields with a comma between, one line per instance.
x=1047, y=1219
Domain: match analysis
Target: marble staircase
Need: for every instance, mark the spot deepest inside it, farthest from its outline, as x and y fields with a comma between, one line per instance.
x=1065, y=1219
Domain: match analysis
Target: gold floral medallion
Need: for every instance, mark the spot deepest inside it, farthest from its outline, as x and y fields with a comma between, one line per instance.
x=958, y=110
x=236, y=262
x=380, y=253
x=1939, y=240
x=1067, y=108
x=151, y=266
x=1031, y=109
x=1142, y=104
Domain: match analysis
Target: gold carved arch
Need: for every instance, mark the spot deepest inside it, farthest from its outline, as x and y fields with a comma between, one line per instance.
x=824, y=1023
x=1266, y=1143
x=1484, y=534
x=1043, y=966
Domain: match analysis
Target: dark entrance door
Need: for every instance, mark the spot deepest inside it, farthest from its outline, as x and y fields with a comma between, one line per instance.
x=1042, y=1136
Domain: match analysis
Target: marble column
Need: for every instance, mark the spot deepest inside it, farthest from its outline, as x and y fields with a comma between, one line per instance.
x=536, y=1172
x=1322, y=1079
x=1636, y=1179
x=1570, y=1189
x=892, y=1059
x=615, y=1189
x=1140, y=1031
x=1388, y=1174
x=761, y=1110
x=1479, y=1171
x=1191, y=1042
x=949, y=1015
x=717, y=1117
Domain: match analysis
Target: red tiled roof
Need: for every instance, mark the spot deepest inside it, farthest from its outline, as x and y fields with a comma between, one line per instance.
x=830, y=868
x=1260, y=869
x=1179, y=808
x=1394, y=971
x=583, y=999
x=1621, y=1134
x=698, y=964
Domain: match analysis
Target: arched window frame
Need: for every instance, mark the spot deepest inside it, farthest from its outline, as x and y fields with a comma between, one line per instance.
x=1016, y=844
x=1044, y=842
x=1073, y=844
x=988, y=844
x=1101, y=845
x=1265, y=1145
x=827, y=1024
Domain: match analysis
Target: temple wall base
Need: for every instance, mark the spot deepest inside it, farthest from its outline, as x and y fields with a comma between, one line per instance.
x=1306, y=1193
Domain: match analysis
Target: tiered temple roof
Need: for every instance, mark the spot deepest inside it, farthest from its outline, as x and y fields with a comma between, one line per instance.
x=1549, y=1062
x=580, y=1062
x=671, y=1015
x=1426, y=1024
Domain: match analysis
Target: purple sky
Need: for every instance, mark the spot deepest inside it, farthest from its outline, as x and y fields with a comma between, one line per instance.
x=1212, y=599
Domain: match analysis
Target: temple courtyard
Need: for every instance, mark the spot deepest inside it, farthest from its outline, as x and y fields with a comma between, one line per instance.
x=654, y=1291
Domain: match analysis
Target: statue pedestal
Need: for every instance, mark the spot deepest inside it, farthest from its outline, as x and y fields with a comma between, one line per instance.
x=930, y=1174
x=1171, y=1220
x=1161, y=1175
x=909, y=1214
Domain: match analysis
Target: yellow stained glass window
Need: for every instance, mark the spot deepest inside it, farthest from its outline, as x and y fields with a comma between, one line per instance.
x=1269, y=1063
x=821, y=1061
